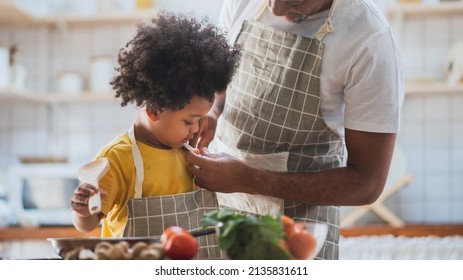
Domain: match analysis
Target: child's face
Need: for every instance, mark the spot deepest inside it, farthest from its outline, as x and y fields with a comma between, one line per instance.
x=173, y=128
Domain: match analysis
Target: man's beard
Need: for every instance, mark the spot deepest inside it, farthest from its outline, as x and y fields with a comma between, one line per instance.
x=299, y=19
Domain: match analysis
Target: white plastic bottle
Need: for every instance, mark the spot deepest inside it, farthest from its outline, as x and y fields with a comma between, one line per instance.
x=4, y=66
x=17, y=70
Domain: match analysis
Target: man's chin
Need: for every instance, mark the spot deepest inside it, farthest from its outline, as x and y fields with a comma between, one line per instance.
x=295, y=18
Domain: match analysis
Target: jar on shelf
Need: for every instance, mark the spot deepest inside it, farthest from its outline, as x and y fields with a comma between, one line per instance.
x=107, y=5
x=17, y=69
x=70, y=82
x=144, y=4
x=4, y=66
x=101, y=73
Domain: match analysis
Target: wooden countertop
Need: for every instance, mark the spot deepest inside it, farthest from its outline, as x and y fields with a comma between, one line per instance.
x=18, y=233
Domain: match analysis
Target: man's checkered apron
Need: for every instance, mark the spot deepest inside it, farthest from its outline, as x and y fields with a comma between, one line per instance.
x=273, y=106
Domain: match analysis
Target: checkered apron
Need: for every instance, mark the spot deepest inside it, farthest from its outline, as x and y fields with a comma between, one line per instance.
x=149, y=216
x=273, y=107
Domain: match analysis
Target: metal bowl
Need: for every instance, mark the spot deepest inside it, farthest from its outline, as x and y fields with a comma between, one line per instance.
x=64, y=245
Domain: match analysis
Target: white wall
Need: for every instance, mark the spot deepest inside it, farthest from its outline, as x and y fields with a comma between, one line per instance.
x=431, y=134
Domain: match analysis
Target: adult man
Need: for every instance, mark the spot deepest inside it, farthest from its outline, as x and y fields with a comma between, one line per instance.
x=310, y=120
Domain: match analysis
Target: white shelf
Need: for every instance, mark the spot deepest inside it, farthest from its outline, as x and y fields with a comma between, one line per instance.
x=13, y=95
x=83, y=97
x=412, y=88
x=417, y=88
x=100, y=18
x=10, y=13
x=424, y=9
x=56, y=98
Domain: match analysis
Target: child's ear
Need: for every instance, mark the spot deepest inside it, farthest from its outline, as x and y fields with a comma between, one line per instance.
x=151, y=114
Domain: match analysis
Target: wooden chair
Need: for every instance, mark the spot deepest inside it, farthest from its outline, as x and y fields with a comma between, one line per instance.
x=397, y=179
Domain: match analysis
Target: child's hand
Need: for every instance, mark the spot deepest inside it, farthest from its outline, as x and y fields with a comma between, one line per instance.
x=80, y=197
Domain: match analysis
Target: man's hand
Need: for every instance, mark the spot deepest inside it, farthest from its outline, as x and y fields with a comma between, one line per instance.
x=218, y=172
x=205, y=135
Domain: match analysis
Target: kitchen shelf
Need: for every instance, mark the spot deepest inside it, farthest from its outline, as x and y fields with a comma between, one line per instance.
x=100, y=18
x=55, y=98
x=425, y=9
x=416, y=88
x=407, y=230
x=420, y=88
x=14, y=95
x=83, y=97
x=398, y=13
x=10, y=13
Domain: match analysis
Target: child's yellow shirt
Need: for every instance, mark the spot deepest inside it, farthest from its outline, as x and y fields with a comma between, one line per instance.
x=165, y=173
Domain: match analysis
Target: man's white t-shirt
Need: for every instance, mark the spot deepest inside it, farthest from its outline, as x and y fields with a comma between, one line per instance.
x=361, y=85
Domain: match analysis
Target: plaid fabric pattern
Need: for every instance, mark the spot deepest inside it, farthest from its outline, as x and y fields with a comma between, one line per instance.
x=273, y=105
x=149, y=216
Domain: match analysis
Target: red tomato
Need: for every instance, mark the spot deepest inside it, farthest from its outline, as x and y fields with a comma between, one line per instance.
x=181, y=246
x=286, y=220
x=301, y=244
x=288, y=224
x=168, y=232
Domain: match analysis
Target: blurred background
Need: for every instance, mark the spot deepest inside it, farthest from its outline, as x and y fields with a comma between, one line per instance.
x=57, y=110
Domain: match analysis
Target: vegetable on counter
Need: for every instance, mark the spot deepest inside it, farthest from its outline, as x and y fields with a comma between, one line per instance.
x=248, y=237
x=179, y=244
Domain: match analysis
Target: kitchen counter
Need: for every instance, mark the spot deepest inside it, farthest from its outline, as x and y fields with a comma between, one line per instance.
x=42, y=233
x=31, y=243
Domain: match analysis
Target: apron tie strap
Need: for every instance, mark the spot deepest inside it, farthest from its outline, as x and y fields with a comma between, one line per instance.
x=326, y=28
x=138, y=161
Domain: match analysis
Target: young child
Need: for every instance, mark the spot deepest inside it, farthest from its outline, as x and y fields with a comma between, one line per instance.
x=171, y=70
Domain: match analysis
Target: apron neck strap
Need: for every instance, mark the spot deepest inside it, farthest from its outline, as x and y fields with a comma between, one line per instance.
x=326, y=28
x=138, y=162
x=261, y=10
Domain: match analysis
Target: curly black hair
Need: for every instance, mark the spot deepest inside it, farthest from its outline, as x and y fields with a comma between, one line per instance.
x=172, y=59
